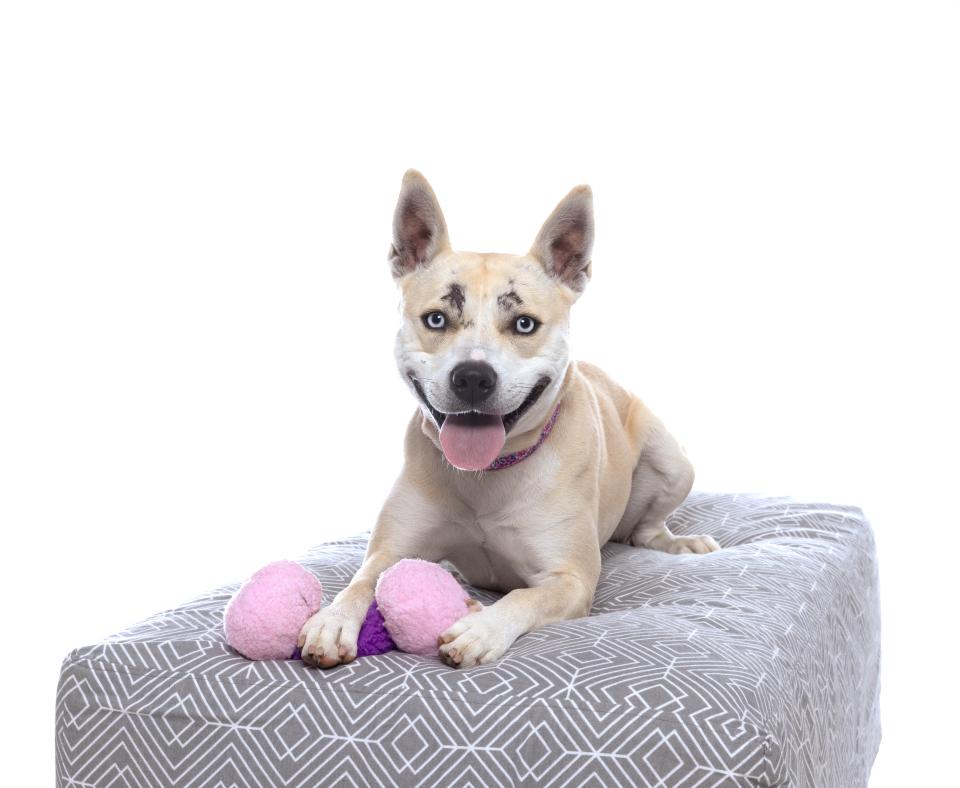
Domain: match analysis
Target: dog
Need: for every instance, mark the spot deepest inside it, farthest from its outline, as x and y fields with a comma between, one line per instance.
x=519, y=462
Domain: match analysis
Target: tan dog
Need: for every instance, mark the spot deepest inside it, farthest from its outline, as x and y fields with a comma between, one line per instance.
x=483, y=346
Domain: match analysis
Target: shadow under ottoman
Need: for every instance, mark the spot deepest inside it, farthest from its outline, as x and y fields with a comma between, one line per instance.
x=756, y=665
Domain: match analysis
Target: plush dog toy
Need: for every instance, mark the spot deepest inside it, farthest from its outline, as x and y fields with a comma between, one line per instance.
x=420, y=600
x=414, y=602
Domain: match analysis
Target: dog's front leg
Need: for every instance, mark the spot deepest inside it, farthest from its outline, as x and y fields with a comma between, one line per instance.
x=408, y=526
x=485, y=635
x=330, y=636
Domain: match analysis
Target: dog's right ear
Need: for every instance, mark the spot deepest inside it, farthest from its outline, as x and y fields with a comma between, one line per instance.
x=419, y=230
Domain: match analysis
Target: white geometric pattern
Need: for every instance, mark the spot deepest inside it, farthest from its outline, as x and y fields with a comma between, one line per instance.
x=755, y=665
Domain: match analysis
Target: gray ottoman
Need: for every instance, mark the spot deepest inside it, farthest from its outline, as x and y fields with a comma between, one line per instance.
x=756, y=665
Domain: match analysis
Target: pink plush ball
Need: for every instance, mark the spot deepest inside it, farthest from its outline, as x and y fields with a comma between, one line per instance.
x=419, y=600
x=265, y=616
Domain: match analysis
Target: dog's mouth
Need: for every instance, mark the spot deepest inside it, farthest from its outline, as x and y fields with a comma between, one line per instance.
x=472, y=440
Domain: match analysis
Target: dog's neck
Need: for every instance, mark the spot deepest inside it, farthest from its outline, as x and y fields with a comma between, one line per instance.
x=508, y=460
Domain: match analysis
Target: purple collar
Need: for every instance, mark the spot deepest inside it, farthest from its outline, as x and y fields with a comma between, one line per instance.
x=518, y=456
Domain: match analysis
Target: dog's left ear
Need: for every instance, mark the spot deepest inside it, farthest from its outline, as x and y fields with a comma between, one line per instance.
x=565, y=241
x=419, y=229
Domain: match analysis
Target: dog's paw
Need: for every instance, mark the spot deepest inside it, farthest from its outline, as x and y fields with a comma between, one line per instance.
x=691, y=544
x=329, y=637
x=661, y=539
x=476, y=639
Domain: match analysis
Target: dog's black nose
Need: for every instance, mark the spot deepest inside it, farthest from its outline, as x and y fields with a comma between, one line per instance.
x=473, y=381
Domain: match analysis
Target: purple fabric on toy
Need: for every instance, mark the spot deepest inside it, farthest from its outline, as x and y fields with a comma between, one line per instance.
x=373, y=637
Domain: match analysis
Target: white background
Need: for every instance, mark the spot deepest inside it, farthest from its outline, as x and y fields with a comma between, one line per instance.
x=196, y=317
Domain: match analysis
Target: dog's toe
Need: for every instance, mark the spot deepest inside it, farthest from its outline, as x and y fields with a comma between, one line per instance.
x=693, y=544
x=473, y=640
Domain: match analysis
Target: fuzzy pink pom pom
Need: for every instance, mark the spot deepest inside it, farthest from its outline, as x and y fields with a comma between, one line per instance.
x=264, y=618
x=419, y=600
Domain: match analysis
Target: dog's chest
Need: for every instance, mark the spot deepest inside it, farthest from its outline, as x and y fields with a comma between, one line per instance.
x=486, y=553
x=501, y=540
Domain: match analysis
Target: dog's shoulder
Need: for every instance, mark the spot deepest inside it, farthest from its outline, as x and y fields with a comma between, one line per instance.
x=618, y=406
x=604, y=387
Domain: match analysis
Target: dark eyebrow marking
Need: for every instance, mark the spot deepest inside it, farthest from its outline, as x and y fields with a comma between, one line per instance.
x=509, y=299
x=455, y=297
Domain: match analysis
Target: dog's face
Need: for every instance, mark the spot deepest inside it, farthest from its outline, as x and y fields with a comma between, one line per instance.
x=483, y=339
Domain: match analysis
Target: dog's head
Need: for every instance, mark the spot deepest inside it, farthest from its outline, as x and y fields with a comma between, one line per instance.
x=483, y=340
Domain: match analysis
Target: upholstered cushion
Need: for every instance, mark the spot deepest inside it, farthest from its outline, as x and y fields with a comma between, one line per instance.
x=756, y=665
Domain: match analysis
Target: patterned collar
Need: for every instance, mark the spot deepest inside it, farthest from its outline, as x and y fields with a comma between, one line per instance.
x=518, y=456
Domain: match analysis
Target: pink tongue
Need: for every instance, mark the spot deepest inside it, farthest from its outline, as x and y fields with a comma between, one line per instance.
x=471, y=441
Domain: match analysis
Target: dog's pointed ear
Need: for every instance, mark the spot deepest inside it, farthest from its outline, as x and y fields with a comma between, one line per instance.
x=419, y=229
x=565, y=241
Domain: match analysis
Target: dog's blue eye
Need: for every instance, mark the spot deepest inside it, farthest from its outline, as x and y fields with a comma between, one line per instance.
x=435, y=320
x=525, y=324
